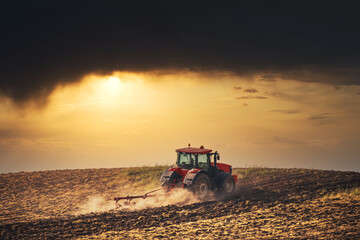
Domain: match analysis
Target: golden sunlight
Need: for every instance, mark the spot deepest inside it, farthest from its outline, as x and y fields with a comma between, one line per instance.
x=119, y=119
x=111, y=86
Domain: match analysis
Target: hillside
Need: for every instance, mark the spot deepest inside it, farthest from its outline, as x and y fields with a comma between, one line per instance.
x=269, y=203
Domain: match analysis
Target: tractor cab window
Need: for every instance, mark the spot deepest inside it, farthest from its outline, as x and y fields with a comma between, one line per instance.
x=203, y=161
x=186, y=160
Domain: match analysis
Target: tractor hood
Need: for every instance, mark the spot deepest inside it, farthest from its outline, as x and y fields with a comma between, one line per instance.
x=223, y=166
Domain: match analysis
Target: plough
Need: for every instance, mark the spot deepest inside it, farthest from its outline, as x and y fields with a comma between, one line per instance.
x=130, y=198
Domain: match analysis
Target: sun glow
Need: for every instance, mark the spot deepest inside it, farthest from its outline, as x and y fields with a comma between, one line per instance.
x=100, y=92
x=111, y=86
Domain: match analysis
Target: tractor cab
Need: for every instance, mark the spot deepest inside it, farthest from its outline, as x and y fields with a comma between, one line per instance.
x=189, y=158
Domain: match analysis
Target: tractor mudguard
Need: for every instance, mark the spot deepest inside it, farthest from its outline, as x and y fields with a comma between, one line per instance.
x=222, y=176
x=191, y=175
x=169, y=177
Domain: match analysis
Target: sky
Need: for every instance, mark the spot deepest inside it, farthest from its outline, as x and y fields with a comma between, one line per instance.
x=117, y=84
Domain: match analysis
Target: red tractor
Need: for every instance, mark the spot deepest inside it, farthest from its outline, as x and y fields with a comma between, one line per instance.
x=197, y=169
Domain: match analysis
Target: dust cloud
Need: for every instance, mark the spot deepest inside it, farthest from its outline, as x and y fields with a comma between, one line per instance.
x=95, y=203
x=177, y=196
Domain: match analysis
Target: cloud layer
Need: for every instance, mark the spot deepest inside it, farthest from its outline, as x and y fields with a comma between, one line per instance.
x=47, y=44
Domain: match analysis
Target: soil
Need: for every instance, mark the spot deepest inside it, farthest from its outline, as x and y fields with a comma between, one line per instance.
x=268, y=204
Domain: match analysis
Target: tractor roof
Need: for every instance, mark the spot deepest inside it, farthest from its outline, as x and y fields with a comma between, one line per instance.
x=200, y=150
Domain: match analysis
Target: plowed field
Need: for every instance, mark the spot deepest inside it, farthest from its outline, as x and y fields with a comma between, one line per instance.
x=269, y=203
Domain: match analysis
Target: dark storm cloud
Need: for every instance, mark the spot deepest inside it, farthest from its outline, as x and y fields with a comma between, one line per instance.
x=286, y=111
x=268, y=77
x=251, y=97
x=320, y=116
x=47, y=43
x=250, y=90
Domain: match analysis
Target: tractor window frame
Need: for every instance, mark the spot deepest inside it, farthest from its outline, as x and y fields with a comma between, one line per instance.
x=190, y=164
x=202, y=166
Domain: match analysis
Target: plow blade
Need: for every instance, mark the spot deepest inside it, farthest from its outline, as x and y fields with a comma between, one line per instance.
x=130, y=198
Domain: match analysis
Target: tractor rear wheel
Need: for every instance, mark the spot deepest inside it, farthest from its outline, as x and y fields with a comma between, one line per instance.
x=201, y=186
x=227, y=186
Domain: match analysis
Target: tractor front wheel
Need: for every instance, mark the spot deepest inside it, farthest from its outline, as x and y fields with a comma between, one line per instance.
x=201, y=186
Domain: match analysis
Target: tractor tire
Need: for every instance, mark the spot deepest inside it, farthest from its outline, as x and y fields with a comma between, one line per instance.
x=226, y=185
x=201, y=186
